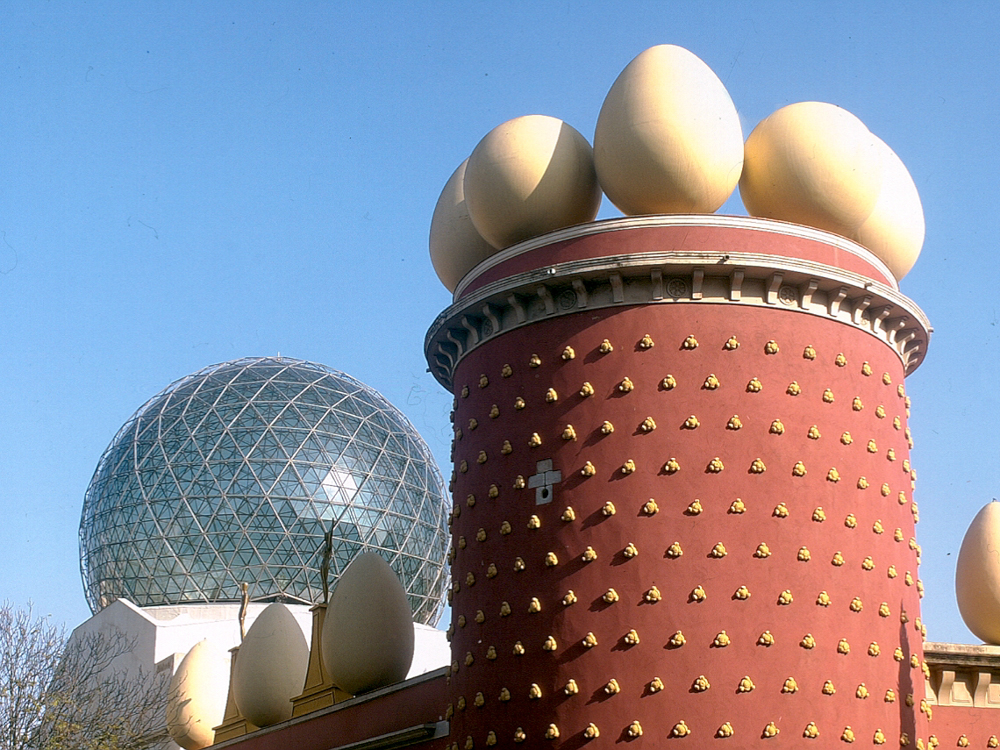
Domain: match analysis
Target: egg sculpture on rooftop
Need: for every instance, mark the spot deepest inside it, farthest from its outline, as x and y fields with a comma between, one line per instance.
x=529, y=176
x=196, y=697
x=456, y=247
x=368, y=631
x=894, y=230
x=977, y=575
x=812, y=163
x=668, y=138
x=270, y=667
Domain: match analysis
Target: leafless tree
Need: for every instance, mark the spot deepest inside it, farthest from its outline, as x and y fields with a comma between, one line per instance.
x=58, y=693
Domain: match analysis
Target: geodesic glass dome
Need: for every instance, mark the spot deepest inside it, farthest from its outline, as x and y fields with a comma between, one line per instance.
x=234, y=474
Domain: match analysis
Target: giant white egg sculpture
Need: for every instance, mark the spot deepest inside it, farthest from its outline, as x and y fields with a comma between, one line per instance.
x=894, y=230
x=977, y=575
x=368, y=632
x=270, y=667
x=668, y=138
x=812, y=163
x=456, y=247
x=529, y=176
x=196, y=697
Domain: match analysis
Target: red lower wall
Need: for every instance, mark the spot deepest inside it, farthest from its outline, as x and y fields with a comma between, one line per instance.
x=980, y=727
x=412, y=703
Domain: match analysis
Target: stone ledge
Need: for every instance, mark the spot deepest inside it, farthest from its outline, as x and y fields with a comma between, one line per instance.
x=963, y=675
x=659, y=277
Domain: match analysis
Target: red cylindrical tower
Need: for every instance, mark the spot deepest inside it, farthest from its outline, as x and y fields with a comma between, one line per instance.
x=683, y=496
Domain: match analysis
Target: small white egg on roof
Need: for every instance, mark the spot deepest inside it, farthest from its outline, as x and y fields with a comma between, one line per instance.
x=456, y=247
x=270, y=667
x=977, y=575
x=668, y=138
x=529, y=176
x=812, y=163
x=196, y=698
x=895, y=229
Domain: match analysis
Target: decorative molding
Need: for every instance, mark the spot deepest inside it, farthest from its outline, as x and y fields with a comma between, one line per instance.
x=807, y=293
x=617, y=292
x=697, y=279
x=657, y=277
x=546, y=297
x=773, y=285
x=736, y=284
x=667, y=277
x=490, y=312
x=963, y=675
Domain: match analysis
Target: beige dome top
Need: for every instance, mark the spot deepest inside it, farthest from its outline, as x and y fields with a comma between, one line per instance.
x=895, y=229
x=529, y=176
x=977, y=575
x=812, y=163
x=668, y=139
x=456, y=246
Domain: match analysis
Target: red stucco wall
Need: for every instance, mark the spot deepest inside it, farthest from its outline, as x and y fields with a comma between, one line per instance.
x=635, y=666
x=682, y=239
x=980, y=727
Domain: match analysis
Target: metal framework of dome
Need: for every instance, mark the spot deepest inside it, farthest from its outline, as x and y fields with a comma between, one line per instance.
x=235, y=473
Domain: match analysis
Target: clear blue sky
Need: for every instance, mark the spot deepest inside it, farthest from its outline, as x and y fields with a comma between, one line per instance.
x=187, y=183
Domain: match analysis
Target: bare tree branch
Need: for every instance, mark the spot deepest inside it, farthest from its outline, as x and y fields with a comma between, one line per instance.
x=68, y=694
